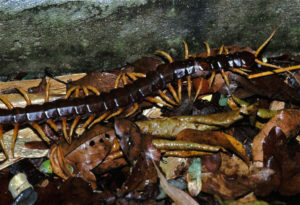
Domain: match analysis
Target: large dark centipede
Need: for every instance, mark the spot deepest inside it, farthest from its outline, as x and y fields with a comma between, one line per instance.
x=107, y=105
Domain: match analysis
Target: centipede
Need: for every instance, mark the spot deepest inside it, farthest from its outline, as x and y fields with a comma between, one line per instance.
x=105, y=105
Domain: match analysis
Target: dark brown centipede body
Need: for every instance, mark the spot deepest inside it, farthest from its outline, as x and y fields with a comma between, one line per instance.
x=126, y=96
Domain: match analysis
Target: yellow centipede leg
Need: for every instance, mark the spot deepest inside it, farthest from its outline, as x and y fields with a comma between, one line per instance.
x=186, y=50
x=115, y=113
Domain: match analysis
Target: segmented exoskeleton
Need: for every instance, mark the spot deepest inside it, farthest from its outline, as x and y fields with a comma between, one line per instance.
x=96, y=108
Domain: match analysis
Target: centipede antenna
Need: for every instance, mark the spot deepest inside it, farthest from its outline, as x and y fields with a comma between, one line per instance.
x=166, y=55
x=166, y=98
x=280, y=70
x=198, y=89
x=6, y=102
x=25, y=95
x=13, y=140
x=158, y=101
x=2, y=142
x=208, y=53
x=189, y=87
x=99, y=119
x=186, y=50
x=40, y=131
x=265, y=43
x=173, y=92
x=115, y=113
x=135, y=107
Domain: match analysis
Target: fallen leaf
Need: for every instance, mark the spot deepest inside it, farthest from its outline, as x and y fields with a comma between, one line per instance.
x=177, y=195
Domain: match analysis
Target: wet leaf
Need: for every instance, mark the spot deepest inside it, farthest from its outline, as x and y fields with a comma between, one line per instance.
x=216, y=138
x=287, y=120
x=194, y=177
x=283, y=156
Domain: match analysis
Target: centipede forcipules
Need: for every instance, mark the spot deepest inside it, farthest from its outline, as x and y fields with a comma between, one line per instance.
x=96, y=108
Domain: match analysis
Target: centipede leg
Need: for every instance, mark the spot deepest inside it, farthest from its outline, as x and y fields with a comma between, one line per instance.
x=179, y=89
x=173, y=92
x=166, y=55
x=186, y=50
x=13, y=140
x=226, y=80
x=2, y=142
x=279, y=70
x=64, y=128
x=99, y=119
x=40, y=131
x=10, y=107
x=166, y=98
x=115, y=113
x=158, y=101
x=135, y=107
x=208, y=52
x=189, y=87
x=198, y=89
x=133, y=76
x=211, y=79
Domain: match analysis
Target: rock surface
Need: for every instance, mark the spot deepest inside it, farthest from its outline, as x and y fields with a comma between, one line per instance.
x=78, y=36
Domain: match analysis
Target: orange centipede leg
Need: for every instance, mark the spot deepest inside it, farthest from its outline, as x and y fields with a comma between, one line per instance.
x=179, y=83
x=166, y=98
x=13, y=140
x=6, y=102
x=135, y=107
x=40, y=131
x=208, y=52
x=189, y=87
x=73, y=126
x=158, y=101
x=198, y=89
x=64, y=128
x=173, y=92
x=25, y=95
x=211, y=79
x=166, y=55
x=99, y=119
x=115, y=113
x=186, y=50
x=2, y=142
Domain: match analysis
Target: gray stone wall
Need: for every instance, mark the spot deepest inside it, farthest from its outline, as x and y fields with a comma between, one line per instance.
x=79, y=36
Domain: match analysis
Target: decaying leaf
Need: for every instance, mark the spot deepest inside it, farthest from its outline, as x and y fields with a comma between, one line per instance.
x=287, y=120
x=194, y=177
x=216, y=138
